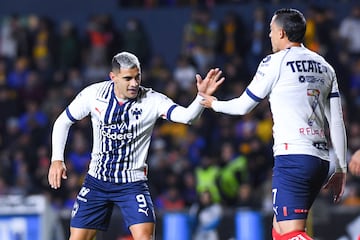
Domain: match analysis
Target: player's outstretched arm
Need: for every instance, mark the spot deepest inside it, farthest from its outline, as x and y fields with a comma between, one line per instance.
x=57, y=171
x=354, y=165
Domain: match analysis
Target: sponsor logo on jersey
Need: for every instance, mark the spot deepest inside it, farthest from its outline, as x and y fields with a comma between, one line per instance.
x=117, y=132
x=311, y=131
x=306, y=66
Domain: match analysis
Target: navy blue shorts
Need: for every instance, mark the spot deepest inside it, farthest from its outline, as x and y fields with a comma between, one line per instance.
x=96, y=199
x=297, y=180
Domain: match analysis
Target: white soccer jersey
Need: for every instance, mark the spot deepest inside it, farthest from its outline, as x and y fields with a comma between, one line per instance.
x=121, y=132
x=299, y=84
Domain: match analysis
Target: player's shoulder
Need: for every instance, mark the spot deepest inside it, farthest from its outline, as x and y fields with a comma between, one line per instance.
x=149, y=94
x=272, y=59
x=99, y=85
x=99, y=88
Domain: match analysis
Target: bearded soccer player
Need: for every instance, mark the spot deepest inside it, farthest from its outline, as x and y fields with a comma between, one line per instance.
x=123, y=114
x=303, y=93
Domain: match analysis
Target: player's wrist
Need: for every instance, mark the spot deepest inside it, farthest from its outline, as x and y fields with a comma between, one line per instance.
x=57, y=160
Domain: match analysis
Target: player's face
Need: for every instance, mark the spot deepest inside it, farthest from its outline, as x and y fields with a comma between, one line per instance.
x=126, y=82
x=275, y=35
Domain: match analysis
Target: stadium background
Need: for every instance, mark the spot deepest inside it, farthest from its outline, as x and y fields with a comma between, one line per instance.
x=41, y=75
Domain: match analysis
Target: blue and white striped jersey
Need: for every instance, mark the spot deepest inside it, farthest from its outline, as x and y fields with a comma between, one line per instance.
x=121, y=131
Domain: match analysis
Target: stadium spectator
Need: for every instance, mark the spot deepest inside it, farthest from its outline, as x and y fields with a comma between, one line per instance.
x=205, y=217
x=183, y=73
x=136, y=40
x=232, y=173
x=69, y=50
x=231, y=41
x=19, y=73
x=258, y=44
x=349, y=31
x=200, y=38
x=206, y=175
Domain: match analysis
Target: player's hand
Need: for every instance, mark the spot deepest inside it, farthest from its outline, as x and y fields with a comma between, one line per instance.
x=207, y=100
x=57, y=171
x=211, y=82
x=336, y=185
x=354, y=165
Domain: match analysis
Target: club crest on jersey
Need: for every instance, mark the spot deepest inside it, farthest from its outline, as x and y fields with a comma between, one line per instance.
x=136, y=112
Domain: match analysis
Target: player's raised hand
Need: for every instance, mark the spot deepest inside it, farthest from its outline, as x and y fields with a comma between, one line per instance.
x=336, y=184
x=211, y=82
x=57, y=171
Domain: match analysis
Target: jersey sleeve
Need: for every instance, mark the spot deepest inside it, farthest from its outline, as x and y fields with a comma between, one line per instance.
x=258, y=89
x=334, y=116
x=265, y=78
x=77, y=110
x=168, y=109
x=188, y=114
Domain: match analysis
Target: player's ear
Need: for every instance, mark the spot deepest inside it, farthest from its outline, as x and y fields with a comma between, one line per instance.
x=282, y=33
x=112, y=75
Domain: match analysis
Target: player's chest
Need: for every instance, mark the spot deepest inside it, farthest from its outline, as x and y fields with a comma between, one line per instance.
x=113, y=112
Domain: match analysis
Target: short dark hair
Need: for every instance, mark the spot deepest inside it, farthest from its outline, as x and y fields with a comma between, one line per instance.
x=293, y=22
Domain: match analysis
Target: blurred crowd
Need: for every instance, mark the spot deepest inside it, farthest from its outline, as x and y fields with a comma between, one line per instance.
x=44, y=64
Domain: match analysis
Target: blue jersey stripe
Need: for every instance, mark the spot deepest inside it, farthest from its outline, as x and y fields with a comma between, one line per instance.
x=170, y=111
x=69, y=115
x=334, y=94
x=253, y=96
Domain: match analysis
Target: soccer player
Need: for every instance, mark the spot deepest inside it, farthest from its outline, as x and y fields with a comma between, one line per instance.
x=303, y=94
x=354, y=164
x=123, y=114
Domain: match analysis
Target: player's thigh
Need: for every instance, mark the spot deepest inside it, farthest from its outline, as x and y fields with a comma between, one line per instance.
x=289, y=225
x=82, y=234
x=297, y=179
x=135, y=204
x=142, y=230
x=92, y=209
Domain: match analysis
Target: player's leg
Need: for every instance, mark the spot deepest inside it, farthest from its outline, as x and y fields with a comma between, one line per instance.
x=137, y=209
x=297, y=180
x=289, y=226
x=91, y=211
x=82, y=234
x=143, y=231
x=275, y=230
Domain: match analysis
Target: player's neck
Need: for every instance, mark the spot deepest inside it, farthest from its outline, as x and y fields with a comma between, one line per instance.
x=292, y=44
x=120, y=100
